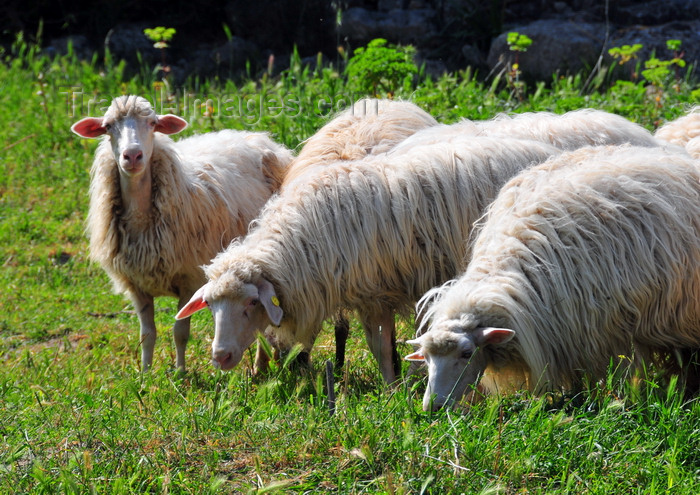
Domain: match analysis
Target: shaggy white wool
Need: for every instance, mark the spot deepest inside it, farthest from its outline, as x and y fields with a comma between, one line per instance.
x=684, y=131
x=372, y=235
x=204, y=192
x=569, y=131
x=591, y=256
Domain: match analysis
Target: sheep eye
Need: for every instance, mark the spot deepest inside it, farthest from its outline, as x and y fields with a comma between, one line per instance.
x=254, y=302
x=108, y=127
x=467, y=355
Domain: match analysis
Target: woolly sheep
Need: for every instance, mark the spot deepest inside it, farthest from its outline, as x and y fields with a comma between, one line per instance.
x=590, y=256
x=684, y=131
x=368, y=127
x=569, y=131
x=159, y=209
x=371, y=235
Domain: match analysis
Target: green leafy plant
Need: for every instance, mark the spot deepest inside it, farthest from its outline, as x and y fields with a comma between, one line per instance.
x=657, y=71
x=517, y=43
x=381, y=68
x=161, y=37
x=624, y=54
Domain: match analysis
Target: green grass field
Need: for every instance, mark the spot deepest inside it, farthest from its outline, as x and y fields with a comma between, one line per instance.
x=77, y=416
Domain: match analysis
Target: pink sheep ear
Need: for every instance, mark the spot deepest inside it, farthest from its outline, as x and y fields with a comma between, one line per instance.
x=89, y=127
x=196, y=303
x=269, y=300
x=417, y=355
x=170, y=124
x=492, y=336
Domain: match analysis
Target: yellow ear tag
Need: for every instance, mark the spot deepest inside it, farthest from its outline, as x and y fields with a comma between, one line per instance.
x=275, y=301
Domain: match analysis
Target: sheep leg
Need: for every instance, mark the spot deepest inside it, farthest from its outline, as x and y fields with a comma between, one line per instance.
x=342, y=330
x=143, y=303
x=380, y=332
x=181, y=334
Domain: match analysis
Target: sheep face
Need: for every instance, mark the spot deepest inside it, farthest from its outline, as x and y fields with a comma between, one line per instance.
x=455, y=360
x=130, y=124
x=238, y=316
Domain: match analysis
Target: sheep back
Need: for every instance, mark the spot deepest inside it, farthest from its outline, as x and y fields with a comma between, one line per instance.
x=370, y=126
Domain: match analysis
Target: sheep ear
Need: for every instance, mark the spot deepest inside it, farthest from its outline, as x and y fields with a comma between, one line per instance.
x=170, y=124
x=269, y=300
x=89, y=127
x=492, y=336
x=417, y=355
x=195, y=304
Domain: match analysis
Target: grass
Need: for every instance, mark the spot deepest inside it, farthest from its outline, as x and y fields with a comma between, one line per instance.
x=76, y=416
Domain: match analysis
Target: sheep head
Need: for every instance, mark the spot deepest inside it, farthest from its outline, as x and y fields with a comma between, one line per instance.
x=240, y=310
x=130, y=123
x=453, y=359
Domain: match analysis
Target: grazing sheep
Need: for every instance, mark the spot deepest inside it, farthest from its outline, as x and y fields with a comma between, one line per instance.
x=369, y=127
x=590, y=256
x=159, y=209
x=570, y=131
x=371, y=235
x=684, y=131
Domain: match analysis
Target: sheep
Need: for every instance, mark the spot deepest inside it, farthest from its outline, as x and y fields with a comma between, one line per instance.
x=159, y=209
x=569, y=131
x=684, y=131
x=592, y=255
x=370, y=235
x=368, y=127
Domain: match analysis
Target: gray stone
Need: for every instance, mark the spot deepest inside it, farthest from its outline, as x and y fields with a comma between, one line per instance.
x=557, y=46
x=360, y=25
x=80, y=44
x=653, y=40
x=473, y=57
x=653, y=12
x=226, y=59
x=126, y=40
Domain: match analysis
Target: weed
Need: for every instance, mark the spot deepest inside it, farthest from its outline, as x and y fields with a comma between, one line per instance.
x=517, y=43
x=380, y=68
x=161, y=37
x=624, y=55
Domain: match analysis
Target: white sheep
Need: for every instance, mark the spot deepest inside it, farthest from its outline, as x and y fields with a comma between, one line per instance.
x=684, y=131
x=568, y=131
x=368, y=127
x=591, y=257
x=371, y=235
x=159, y=209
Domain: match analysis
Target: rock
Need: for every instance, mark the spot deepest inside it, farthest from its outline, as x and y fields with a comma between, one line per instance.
x=226, y=59
x=359, y=25
x=473, y=57
x=126, y=40
x=653, y=39
x=557, y=46
x=653, y=12
x=82, y=48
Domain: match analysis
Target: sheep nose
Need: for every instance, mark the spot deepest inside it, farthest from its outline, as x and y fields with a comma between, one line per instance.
x=223, y=359
x=132, y=155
